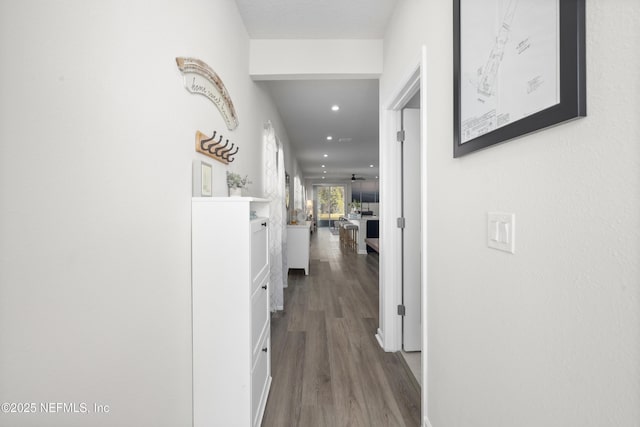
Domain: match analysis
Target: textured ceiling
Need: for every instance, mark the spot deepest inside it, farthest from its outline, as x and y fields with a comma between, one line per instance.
x=315, y=19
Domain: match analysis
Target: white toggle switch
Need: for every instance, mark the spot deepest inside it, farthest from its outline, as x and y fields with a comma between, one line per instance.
x=504, y=232
x=501, y=231
x=494, y=231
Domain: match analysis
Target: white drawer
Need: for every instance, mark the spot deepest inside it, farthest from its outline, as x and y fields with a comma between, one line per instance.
x=259, y=316
x=259, y=251
x=260, y=382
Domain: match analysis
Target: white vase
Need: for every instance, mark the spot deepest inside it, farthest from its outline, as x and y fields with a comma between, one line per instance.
x=235, y=192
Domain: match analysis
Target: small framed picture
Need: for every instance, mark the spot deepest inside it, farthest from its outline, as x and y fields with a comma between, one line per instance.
x=202, y=172
x=205, y=173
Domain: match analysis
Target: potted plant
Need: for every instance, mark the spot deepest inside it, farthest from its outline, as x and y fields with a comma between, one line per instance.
x=236, y=183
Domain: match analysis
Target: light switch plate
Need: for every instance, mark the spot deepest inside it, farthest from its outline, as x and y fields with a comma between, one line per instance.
x=501, y=231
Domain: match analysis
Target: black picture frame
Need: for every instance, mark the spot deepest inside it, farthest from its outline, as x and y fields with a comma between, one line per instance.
x=571, y=77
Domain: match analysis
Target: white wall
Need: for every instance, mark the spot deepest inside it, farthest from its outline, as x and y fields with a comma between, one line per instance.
x=551, y=335
x=96, y=144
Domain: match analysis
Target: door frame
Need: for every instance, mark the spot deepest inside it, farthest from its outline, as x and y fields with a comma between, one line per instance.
x=389, y=334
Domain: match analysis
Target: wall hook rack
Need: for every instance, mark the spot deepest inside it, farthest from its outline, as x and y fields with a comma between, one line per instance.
x=215, y=149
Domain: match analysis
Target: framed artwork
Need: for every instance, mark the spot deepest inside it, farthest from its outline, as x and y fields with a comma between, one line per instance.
x=519, y=66
x=202, y=172
x=205, y=171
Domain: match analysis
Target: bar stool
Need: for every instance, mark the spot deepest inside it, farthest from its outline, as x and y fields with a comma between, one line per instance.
x=354, y=237
x=341, y=231
x=351, y=236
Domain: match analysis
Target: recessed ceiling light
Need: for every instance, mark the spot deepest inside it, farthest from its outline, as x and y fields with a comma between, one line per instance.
x=376, y=177
x=329, y=138
x=324, y=171
x=323, y=177
x=326, y=155
x=335, y=107
x=323, y=166
x=370, y=166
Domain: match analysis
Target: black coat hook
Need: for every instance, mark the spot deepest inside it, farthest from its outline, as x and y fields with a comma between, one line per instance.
x=227, y=155
x=203, y=142
x=211, y=145
x=209, y=139
x=217, y=153
x=213, y=148
x=223, y=152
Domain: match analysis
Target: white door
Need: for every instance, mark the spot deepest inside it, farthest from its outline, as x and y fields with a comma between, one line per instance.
x=411, y=234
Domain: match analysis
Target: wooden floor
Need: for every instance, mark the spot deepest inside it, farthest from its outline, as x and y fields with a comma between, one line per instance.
x=327, y=367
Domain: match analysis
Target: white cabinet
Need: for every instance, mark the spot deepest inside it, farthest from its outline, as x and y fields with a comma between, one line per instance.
x=298, y=246
x=230, y=290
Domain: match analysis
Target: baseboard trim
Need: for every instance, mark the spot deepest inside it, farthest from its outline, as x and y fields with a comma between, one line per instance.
x=380, y=338
x=409, y=372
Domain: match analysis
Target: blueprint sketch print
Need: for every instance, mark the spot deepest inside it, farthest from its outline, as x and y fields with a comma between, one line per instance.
x=509, y=62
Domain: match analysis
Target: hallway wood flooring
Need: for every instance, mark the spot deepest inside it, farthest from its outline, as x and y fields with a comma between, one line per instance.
x=327, y=366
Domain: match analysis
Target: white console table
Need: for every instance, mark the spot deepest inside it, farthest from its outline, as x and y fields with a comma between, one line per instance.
x=298, y=246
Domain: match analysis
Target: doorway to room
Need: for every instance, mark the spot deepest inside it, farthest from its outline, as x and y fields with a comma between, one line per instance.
x=390, y=334
x=411, y=231
x=329, y=204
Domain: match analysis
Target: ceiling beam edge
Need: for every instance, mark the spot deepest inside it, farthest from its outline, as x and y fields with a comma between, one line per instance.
x=315, y=59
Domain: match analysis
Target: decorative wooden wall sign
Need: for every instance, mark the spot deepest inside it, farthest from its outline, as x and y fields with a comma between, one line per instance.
x=200, y=78
x=216, y=149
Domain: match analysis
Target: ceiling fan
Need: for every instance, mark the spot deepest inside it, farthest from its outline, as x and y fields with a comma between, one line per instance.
x=356, y=178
